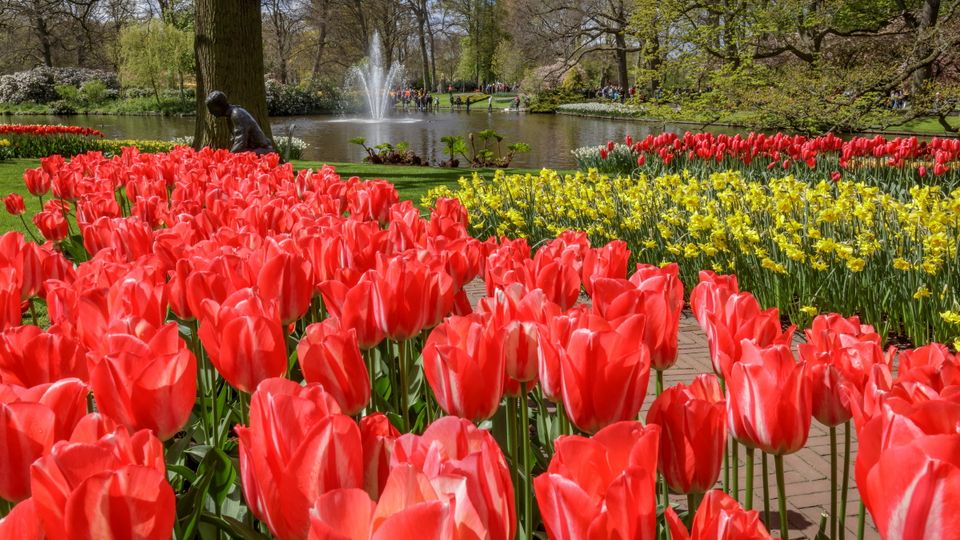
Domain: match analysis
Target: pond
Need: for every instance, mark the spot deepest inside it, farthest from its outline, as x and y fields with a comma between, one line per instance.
x=551, y=137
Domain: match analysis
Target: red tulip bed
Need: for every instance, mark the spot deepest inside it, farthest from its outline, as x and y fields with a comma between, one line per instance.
x=33, y=141
x=210, y=343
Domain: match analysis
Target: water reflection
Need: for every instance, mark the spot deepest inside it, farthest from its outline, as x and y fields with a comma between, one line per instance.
x=551, y=137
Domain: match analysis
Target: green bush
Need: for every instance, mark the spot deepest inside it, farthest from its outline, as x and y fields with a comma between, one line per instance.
x=93, y=92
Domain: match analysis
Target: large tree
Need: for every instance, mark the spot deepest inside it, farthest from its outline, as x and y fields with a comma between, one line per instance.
x=229, y=55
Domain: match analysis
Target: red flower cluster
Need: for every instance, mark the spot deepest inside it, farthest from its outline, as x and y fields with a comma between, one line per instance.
x=216, y=277
x=44, y=130
x=939, y=155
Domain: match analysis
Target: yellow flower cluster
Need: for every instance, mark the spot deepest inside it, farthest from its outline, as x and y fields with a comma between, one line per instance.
x=115, y=146
x=846, y=247
x=4, y=143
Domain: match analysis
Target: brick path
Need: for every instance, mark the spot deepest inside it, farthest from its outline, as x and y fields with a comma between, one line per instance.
x=806, y=472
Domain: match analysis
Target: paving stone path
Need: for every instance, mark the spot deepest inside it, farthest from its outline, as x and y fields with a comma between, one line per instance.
x=807, y=472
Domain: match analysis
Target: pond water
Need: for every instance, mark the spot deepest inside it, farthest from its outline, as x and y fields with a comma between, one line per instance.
x=551, y=137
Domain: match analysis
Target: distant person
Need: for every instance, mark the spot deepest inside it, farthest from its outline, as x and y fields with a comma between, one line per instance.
x=490, y=104
x=458, y=102
x=246, y=135
x=468, y=103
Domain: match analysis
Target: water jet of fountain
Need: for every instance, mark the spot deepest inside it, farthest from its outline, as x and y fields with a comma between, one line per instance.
x=375, y=79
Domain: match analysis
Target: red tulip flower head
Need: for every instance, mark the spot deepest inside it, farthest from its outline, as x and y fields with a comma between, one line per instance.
x=601, y=487
x=145, y=384
x=769, y=403
x=14, y=203
x=111, y=487
x=711, y=293
x=286, y=278
x=377, y=435
x=296, y=447
x=329, y=355
x=464, y=367
x=600, y=358
x=692, y=422
x=244, y=339
x=31, y=421
x=719, y=517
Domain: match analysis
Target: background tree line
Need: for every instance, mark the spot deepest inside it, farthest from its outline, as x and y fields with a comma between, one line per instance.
x=806, y=64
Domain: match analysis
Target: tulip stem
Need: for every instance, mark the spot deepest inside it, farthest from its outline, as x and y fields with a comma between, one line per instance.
x=33, y=312
x=748, y=503
x=28, y=229
x=861, y=521
x=691, y=509
x=404, y=397
x=527, y=483
x=659, y=388
x=781, y=497
x=766, y=489
x=833, y=482
x=512, y=448
x=5, y=507
x=845, y=481
x=735, y=473
x=726, y=450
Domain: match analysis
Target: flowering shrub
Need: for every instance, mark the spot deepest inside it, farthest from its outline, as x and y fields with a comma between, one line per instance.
x=606, y=109
x=38, y=85
x=893, y=164
x=843, y=246
x=270, y=351
x=291, y=100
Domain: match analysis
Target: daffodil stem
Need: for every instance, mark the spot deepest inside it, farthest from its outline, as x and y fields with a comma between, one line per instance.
x=748, y=502
x=781, y=497
x=527, y=483
x=845, y=481
x=833, y=482
x=766, y=489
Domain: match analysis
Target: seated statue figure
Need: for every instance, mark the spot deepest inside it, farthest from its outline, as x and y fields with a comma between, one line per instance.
x=246, y=134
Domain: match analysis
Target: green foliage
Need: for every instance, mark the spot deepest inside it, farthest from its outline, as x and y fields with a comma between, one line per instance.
x=93, y=92
x=155, y=55
x=67, y=92
x=547, y=102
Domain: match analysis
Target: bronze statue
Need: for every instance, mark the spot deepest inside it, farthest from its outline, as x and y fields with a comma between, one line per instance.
x=246, y=133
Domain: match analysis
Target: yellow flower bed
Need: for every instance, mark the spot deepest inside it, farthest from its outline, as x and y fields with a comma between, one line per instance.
x=845, y=247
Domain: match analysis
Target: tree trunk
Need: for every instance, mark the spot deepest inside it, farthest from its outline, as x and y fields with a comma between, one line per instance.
x=927, y=20
x=433, y=56
x=43, y=34
x=321, y=41
x=424, y=59
x=622, y=73
x=229, y=58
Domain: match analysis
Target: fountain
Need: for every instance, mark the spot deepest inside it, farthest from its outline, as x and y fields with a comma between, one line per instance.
x=375, y=79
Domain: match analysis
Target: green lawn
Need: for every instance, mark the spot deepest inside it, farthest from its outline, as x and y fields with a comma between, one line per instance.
x=412, y=182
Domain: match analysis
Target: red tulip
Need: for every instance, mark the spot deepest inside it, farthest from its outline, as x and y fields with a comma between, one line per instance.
x=597, y=359
x=244, y=339
x=719, y=517
x=610, y=261
x=769, y=399
x=908, y=469
x=464, y=367
x=31, y=421
x=355, y=308
x=377, y=435
x=14, y=203
x=711, y=293
x=114, y=487
x=464, y=466
x=329, y=355
x=740, y=319
x=21, y=523
x=662, y=303
x=601, y=487
x=29, y=357
x=410, y=509
x=37, y=182
x=286, y=278
x=408, y=297
x=148, y=384
x=52, y=225
x=692, y=434
x=296, y=447
x=517, y=317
